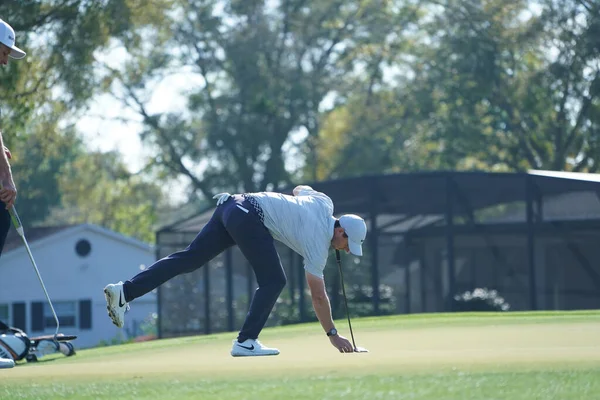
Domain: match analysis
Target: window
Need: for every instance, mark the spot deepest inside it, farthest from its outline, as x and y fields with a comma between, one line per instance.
x=83, y=247
x=4, y=313
x=66, y=312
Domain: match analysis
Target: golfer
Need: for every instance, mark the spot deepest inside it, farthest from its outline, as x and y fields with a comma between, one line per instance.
x=304, y=222
x=8, y=191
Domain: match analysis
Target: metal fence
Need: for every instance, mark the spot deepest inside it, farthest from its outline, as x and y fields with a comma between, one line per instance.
x=531, y=237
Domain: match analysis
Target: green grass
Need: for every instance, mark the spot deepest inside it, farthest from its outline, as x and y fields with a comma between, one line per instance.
x=516, y=356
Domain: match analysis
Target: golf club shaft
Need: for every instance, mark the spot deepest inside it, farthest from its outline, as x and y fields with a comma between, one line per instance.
x=14, y=216
x=339, y=263
x=43, y=286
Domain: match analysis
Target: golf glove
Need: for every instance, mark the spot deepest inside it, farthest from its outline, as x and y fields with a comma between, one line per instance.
x=222, y=198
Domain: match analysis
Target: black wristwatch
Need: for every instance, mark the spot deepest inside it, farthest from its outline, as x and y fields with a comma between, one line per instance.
x=332, y=332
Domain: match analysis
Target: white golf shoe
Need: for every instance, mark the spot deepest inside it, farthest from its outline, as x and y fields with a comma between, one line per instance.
x=6, y=363
x=115, y=303
x=251, y=348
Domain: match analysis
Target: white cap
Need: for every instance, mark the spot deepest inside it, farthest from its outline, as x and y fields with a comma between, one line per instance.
x=356, y=229
x=7, y=37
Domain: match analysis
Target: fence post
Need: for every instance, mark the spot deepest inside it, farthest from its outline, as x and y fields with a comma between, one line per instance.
x=450, y=241
x=531, y=242
x=374, y=241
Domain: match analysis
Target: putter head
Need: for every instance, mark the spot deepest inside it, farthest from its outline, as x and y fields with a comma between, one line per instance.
x=360, y=350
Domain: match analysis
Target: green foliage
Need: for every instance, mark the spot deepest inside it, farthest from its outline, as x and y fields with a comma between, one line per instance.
x=149, y=325
x=37, y=161
x=266, y=69
x=523, y=85
x=97, y=188
x=360, y=301
x=480, y=299
x=520, y=77
x=43, y=95
x=287, y=309
x=114, y=341
x=368, y=135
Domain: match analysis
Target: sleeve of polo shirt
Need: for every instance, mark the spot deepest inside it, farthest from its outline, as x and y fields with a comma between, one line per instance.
x=315, y=260
x=314, y=268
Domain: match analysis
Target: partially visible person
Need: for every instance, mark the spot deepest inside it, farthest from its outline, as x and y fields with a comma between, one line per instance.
x=16, y=345
x=8, y=191
x=303, y=222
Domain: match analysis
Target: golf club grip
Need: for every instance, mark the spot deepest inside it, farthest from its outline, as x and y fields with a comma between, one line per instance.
x=14, y=216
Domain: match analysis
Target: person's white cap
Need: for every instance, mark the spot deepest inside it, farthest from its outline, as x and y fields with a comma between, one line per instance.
x=7, y=37
x=356, y=229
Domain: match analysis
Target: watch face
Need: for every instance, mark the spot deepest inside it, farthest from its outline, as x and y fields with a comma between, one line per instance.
x=332, y=332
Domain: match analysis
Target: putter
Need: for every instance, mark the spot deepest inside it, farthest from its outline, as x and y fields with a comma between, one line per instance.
x=14, y=216
x=339, y=263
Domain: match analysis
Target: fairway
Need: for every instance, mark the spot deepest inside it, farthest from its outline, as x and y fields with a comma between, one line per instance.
x=444, y=356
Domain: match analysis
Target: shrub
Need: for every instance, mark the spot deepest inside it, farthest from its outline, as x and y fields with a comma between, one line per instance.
x=480, y=299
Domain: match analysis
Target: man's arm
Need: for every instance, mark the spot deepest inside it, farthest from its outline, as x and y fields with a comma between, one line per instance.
x=8, y=193
x=322, y=308
x=4, y=165
x=320, y=301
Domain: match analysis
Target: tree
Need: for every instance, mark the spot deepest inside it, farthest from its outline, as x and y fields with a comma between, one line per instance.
x=97, y=188
x=265, y=72
x=38, y=159
x=526, y=87
x=370, y=134
x=43, y=95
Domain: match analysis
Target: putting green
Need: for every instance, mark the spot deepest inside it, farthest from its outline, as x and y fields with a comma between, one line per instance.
x=483, y=345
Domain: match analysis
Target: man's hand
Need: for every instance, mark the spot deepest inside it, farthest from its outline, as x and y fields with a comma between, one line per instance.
x=341, y=343
x=222, y=198
x=8, y=194
x=323, y=311
x=7, y=152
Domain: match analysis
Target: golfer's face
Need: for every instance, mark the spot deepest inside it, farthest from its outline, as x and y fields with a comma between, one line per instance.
x=340, y=240
x=4, y=53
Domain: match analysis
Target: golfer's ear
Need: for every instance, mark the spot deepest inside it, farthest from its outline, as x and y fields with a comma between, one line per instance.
x=316, y=285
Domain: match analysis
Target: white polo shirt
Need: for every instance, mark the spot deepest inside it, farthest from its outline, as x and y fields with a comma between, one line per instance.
x=303, y=222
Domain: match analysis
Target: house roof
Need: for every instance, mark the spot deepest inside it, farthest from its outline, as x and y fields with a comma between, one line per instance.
x=43, y=235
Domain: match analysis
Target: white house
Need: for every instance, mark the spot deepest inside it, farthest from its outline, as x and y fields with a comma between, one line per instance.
x=75, y=263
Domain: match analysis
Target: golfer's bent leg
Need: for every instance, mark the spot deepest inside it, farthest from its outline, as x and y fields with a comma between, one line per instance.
x=210, y=242
x=263, y=301
x=4, y=225
x=258, y=247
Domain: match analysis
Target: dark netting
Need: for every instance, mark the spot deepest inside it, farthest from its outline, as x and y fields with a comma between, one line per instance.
x=436, y=242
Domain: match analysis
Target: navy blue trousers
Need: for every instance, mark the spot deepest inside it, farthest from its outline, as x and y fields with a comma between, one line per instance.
x=229, y=225
x=4, y=224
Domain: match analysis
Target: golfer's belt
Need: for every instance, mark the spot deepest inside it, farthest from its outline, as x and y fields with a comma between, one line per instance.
x=252, y=200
